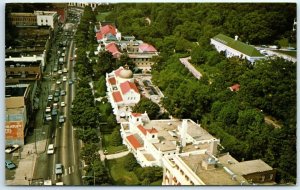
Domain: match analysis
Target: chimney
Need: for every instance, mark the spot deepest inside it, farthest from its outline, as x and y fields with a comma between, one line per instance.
x=213, y=146
x=183, y=132
x=236, y=37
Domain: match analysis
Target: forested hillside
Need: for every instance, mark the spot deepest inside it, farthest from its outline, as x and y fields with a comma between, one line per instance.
x=267, y=89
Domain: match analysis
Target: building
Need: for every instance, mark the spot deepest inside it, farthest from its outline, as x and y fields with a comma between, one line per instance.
x=23, y=19
x=82, y=5
x=207, y=169
x=114, y=50
x=22, y=68
x=235, y=48
x=38, y=18
x=17, y=112
x=122, y=91
x=151, y=140
x=47, y=18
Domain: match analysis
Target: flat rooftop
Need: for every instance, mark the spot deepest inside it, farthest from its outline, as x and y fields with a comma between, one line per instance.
x=215, y=176
x=168, y=142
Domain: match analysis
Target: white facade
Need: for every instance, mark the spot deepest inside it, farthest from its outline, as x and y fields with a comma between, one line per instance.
x=159, y=138
x=46, y=18
x=33, y=58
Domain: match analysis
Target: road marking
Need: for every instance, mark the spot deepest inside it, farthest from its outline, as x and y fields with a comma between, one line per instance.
x=66, y=171
x=73, y=169
x=69, y=170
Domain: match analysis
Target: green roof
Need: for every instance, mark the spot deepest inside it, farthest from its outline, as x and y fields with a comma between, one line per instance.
x=238, y=45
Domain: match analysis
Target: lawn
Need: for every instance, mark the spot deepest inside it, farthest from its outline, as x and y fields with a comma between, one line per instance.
x=101, y=16
x=119, y=174
x=112, y=149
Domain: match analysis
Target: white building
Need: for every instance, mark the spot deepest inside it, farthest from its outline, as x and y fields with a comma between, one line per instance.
x=235, y=48
x=47, y=18
x=151, y=140
x=122, y=91
x=207, y=169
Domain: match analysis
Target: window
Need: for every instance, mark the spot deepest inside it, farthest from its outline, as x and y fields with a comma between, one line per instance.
x=271, y=176
x=153, y=136
x=263, y=178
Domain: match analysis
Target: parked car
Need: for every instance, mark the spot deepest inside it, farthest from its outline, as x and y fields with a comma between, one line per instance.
x=48, y=109
x=50, y=97
x=48, y=117
x=63, y=92
x=64, y=78
x=70, y=81
x=65, y=70
x=62, y=104
x=61, y=119
x=55, y=105
x=11, y=148
x=59, y=72
x=58, y=82
x=10, y=165
x=50, y=149
x=58, y=169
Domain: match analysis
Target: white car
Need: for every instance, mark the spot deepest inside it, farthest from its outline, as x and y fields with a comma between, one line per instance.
x=48, y=117
x=50, y=97
x=58, y=82
x=59, y=72
x=64, y=78
x=50, y=149
x=58, y=169
x=62, y=104
x=48, y=109
x=65, y=70
x=11, y=148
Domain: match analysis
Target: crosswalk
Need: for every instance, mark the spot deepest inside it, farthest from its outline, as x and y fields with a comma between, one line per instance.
x=67, y=171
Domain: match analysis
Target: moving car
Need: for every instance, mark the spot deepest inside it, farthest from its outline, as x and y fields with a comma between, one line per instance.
x=11, y=148
x=58, y=169
x=61, y=119
x=62, y=104
x=50, y=149
x=54, y=112
x=63, y=92
x=58, y=82
x=64, y=78
x=10, y=165
x=70, y=81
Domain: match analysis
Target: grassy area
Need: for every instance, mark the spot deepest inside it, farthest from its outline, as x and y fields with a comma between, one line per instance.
x=112, y=149
x=290, y=53
x=101, y=16
x=119, y=174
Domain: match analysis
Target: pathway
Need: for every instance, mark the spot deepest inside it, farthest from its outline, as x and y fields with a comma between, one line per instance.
x=190, y=67
x=112, y=156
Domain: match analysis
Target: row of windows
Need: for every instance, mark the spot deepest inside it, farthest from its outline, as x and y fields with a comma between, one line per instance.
x=141, y=59
x=43, y=20
x=24, y=19
x=131, y=98
x=19, y=73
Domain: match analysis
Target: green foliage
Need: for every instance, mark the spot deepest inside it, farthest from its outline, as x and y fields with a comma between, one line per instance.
x=116, y=138
x=89, y=153
x=130, y=163
x=147, y=105
x=88, y=135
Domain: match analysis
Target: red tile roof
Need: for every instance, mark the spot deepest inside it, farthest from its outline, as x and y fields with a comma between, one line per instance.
x=112, y=48
x=61, y=12
x=108, y=29
x=147, y=48
x=145, y=131
x=117, y=96
x=136, y=114
x=99, y=35
x=142, y=129
x=133, y=141
x=127, y=86
x=152, y=130
x=235, y=87
x=112, y=80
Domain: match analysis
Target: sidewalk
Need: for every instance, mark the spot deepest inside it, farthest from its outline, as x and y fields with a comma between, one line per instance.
x=190, y=67
x=25, y=168
x=112, y=156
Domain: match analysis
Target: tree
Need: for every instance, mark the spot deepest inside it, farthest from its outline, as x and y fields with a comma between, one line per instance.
x=130, y=163
x=89, y=153
x=146, y=105
x=88, y=135
x=116, y=139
